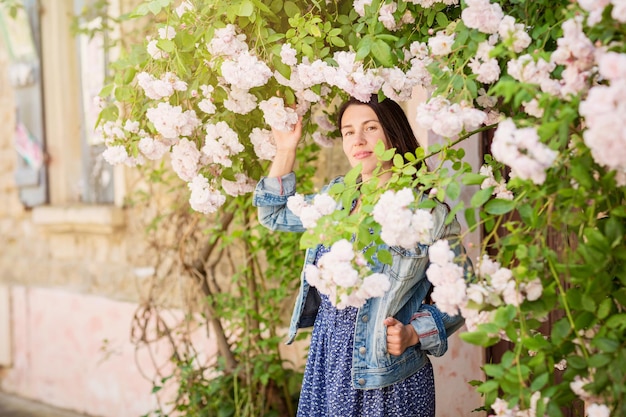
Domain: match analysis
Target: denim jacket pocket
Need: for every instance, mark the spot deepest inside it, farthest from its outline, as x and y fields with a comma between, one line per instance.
x=407, y=262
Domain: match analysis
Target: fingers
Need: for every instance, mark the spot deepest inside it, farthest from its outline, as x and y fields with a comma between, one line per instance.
x=390, y=321
x=399, y=336
x=395, y=329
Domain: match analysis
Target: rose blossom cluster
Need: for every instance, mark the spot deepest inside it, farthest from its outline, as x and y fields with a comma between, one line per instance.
x=576, y=52
x=311, y=212
x=160, y=88
x=111, y=132
x=448, y=119
x=351, y=76
x=500, y=286
x=522, y=151
x=277, y=115
x=338, y=275
x=204, y=197
x=487, y=17
x=499, y=187
x=402, y=226
x=448, y=278
x=166, y=32
x=220, y=144
x=386, y=11
x=263, y=143
x=529, y=70
x=171, y=122
x=596, y=8
x=483, y=65
x=603, y=110
x=496, y=287
x=242, y=185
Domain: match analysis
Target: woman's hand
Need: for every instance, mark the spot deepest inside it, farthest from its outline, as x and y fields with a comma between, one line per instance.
x=286, y=145
x=399, y=336
x=288, y=140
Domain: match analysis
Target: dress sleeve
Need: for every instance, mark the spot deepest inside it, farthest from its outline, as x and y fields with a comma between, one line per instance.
x=433, y=327
x=270, y=196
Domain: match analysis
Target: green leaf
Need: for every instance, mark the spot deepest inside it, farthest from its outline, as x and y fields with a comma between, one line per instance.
x=363, y=48
x=540, y=382
x=453, y=190
x=337, y=41
x=470, y=217
x=597, y=239
x=481, y=197
x=493, y=370
x=384, y=256
x=337, y=188
x=488, y=386
x=351, y=176
x=576, y=362
x=398, y=161
x=499, y=206
x=473, y=179
x=124, y=93
x=379, y=148
x=599, y=360
x=588, y=303
x=291, y=9
x=536, y=343
x=166, y=45
x=619, y=211
x=478, y=338
x=504, y=316
x=388, y=154
x=442, y=19
x=106, y=90
x=141, y=10
x=246, y=8
x=409, y=170
x=560, y=330
x=381, y=51
x=605, y=344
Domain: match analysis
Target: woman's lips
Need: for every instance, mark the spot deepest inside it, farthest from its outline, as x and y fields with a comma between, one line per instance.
x=362, y=155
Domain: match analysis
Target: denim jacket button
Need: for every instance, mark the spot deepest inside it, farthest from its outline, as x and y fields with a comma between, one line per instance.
x=362, y=350
x=364, y=319
x=361, y=381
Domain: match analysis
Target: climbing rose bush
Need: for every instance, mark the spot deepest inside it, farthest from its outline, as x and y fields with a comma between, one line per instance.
x=547, y=78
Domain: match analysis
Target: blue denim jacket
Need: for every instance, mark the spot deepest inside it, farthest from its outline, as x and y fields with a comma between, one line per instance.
x=372, y=366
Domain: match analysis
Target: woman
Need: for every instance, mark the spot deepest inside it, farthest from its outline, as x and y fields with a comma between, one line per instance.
x=369, y=361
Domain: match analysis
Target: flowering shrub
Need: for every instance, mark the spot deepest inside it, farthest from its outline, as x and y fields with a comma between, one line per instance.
x=548, y=76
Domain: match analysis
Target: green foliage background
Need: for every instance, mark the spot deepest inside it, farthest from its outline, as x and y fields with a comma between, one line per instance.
x=568, y=231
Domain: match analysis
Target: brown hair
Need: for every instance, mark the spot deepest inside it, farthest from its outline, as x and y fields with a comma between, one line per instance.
x=393, y=121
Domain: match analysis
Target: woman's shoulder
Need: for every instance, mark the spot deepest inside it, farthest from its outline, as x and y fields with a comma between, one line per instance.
x=338, y=179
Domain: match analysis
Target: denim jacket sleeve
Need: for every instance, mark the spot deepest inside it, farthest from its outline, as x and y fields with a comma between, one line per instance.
x=433, y=327
x=270, y=196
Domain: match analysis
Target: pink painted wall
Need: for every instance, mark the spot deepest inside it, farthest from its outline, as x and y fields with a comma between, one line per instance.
x=59, y=356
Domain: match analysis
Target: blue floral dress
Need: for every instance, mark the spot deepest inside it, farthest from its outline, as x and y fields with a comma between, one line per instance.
x=327, y=389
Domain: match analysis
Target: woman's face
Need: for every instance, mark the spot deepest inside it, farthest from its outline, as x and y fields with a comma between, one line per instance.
x=361, y=130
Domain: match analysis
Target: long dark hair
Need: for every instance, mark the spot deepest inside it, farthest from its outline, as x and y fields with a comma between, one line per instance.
x=392, y=119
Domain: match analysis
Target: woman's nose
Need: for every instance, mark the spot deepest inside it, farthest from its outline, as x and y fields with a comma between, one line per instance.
x=359, y=137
